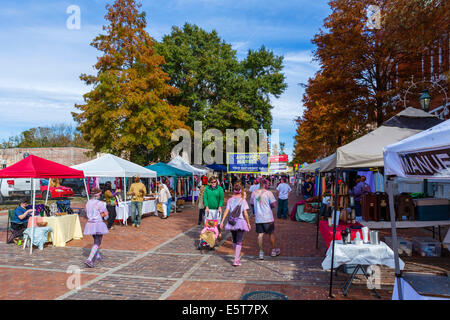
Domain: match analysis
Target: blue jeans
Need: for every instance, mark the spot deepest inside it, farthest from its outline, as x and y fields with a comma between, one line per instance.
x=169, y=203
x=282, y=208
x=136, y=206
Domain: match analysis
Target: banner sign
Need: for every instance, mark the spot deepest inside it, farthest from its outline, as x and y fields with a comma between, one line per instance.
x=426, y=163
x=248, y=162
x=280, y=158
x=279, y=163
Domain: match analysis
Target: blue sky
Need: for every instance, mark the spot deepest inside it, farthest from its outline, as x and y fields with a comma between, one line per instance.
x=41, y=59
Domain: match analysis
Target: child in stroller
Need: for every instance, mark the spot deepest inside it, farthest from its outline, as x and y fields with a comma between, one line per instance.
x=208, y=235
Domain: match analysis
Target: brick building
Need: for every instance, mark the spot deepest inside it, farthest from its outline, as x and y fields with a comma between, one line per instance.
x=68, y=156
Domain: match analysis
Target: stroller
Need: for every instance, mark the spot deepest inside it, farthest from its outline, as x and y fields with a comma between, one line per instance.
x=208, y=235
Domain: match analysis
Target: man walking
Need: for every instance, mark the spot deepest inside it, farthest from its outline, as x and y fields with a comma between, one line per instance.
x=137, y=192
x=283, y=198
x=264, y=201
x=213, y=198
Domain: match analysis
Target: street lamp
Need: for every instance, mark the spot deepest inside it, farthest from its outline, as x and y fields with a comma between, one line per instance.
x=425, y=100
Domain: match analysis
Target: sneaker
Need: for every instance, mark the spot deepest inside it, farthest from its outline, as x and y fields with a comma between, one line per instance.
x=133, y=225
x=138, y=226
x=261, y=255
x=98, y=257
x=236, y=263
x=275, y=252
x=89, y=263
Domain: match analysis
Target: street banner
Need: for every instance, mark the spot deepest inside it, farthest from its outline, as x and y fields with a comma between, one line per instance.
x=279, y=158
x=248, y=162
x=279, y=163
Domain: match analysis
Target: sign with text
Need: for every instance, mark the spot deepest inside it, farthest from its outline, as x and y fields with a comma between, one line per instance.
x=279, y=163
x=279, y=158
x=248, y=162
x=426, y=163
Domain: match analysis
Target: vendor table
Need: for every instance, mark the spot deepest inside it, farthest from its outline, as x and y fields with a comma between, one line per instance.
x=123, y=209
x=327, y=231
x=360, y=255
x=64, y=228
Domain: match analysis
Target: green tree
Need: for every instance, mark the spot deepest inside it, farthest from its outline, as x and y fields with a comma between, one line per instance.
x=128, y=111
x=219, y=90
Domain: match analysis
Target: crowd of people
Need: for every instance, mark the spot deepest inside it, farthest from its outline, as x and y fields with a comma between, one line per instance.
x=235, y=217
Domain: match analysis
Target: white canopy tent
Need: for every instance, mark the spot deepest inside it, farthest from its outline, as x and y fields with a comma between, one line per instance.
x=328, y=164
x=180, y=163
x=112, y=166
x=367, y=151
x=425, y=155
x=310, y=167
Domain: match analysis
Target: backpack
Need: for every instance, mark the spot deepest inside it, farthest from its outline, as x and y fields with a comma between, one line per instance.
x=234, y=215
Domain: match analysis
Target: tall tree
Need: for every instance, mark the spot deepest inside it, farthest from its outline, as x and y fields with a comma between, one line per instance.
x=364, y=69
x=127, y=111
x=219, y=90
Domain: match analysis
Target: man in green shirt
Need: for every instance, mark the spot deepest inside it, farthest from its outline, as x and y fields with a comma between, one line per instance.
x=213, y=199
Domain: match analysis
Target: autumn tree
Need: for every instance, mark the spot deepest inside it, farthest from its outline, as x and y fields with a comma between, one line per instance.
x=127, y=111
x=364, y=69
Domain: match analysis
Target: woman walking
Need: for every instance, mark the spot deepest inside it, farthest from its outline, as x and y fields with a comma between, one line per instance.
x=237, y=221
x=96, y=211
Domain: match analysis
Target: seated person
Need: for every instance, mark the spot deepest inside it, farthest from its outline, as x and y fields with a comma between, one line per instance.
x=21, y=216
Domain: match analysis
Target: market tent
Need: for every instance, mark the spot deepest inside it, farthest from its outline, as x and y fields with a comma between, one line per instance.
x=328, y=164
x=113, y=166
x=38, y=168
x=311, y=167
x=425, y=155
x=367, y=151
x=180, y=163
x=164, y=170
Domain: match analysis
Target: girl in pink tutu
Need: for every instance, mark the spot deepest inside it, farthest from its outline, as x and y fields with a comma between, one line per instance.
x=96, y=210
x=237, y=221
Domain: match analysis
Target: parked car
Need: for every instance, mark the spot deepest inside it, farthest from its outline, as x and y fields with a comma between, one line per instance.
x=12, y=189
x=55, y=192
x=77, y=185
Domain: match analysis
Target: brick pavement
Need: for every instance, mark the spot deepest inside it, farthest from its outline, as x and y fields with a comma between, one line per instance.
x=160, y=261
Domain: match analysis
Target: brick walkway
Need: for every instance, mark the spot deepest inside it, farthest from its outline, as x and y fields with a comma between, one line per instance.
x=160, y=261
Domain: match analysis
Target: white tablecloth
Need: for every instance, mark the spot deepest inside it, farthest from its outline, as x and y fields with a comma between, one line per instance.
x=364, y=254
x=403, y=224
x=123, y=210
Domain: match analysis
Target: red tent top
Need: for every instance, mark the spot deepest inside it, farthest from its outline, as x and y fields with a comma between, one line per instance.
x=36, y=167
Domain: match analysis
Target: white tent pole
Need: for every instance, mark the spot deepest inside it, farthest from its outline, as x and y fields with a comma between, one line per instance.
x=124, y=190
x=193, y=188
x=48, y=190
x=32, y=217
x=398, y=275
x=85, y=187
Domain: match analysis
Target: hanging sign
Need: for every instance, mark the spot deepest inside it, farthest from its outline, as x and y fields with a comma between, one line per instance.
x=248, y=162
